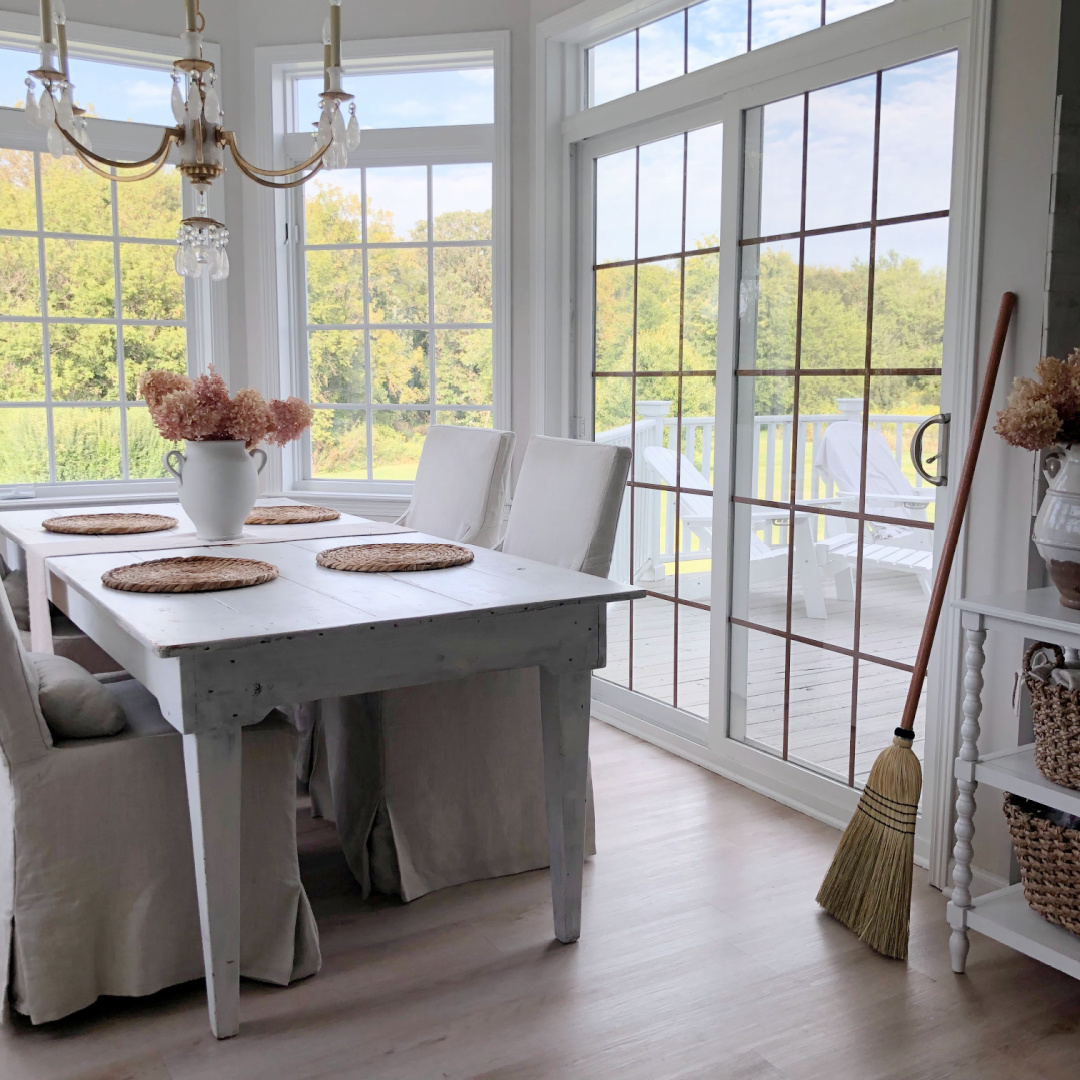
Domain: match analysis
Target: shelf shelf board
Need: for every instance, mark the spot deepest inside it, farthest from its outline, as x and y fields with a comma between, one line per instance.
x=1005, y=916
x=1015, y=771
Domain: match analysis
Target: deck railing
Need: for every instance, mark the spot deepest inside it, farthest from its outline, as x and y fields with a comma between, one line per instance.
x=654, y=545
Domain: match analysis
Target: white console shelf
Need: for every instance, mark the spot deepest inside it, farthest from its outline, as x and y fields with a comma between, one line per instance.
x=1004, y=915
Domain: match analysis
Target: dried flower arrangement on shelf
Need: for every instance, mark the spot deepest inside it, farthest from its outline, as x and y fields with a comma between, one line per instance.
x=1044, y=413
x=201, y=410
x=1044, y=410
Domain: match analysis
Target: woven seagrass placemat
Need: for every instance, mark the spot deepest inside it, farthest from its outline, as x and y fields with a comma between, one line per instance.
x=380, y=558
x=290, y=515
x=109, y=524
x=195, y=573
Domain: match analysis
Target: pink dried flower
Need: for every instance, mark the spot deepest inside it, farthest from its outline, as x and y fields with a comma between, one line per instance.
x=201, y=409
x=291, y=418
x=249, y=418
x=154, y=385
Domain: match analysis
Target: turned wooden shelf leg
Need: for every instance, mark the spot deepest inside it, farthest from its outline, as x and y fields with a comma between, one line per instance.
x=974, y=658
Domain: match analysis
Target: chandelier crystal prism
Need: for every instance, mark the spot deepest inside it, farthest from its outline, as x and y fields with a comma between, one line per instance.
x=199, y=137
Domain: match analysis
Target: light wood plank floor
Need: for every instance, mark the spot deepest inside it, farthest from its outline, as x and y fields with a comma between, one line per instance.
x=819, y=716
x=703, y=957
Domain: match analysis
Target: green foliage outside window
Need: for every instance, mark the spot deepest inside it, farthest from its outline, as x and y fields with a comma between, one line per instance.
x=96, y=307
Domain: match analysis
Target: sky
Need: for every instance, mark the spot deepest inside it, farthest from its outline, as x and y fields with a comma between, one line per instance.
x=115, y=92
x=914, y=173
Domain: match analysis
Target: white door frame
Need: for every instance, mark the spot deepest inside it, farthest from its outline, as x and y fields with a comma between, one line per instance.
x=569, y=136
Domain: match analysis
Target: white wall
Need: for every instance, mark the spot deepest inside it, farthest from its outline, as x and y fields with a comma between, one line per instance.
x=1020, y=148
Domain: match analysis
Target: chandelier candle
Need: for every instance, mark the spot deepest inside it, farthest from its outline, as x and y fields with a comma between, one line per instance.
x=199, y=137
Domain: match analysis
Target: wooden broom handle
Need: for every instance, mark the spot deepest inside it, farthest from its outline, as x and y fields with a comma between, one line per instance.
x=956, y=518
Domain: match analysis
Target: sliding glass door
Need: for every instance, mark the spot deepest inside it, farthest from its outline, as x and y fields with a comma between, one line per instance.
x=845, y=230
x=775, y=518
x=653, y=277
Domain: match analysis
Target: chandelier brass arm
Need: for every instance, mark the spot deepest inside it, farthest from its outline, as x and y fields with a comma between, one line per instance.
x=228, y=138
x=157, y=160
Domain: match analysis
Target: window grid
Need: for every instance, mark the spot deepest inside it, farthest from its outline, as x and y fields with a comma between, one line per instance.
x=46, y=320
x=686, y=69
x=793, y=506
x=430, y=326
x=680, y=373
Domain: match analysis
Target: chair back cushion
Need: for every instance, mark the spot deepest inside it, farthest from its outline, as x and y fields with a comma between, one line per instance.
x=566, y=505
x=462, y=483
x=24, y=734
x=75, y=705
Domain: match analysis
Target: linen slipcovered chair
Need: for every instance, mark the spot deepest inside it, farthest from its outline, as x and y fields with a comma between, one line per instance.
x=460, y=493
x=441, y=784
x=97, y=878
x=462, y=483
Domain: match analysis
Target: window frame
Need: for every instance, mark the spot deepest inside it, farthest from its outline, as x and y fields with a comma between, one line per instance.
x=205, y=304
x=282, y=275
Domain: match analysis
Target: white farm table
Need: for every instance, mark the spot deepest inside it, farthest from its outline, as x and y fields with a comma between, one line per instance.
x=1004, y=914
x=29, y=544
x=218, y=661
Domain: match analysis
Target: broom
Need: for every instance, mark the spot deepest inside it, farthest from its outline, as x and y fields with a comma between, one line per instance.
x=868, y=886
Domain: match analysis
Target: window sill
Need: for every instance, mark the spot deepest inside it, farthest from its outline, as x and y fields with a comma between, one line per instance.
x=83, y=496
x=378, y=505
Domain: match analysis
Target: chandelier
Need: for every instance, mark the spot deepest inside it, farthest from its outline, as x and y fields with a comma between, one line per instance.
x=199, y=135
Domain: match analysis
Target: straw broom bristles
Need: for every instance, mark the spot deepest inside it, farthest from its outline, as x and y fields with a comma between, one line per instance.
x=868, y=887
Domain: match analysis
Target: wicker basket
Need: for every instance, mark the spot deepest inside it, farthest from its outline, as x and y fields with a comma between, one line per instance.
x=1049, y=858
x=1055, y=712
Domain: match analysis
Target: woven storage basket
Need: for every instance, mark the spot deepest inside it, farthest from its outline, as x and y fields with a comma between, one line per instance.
x=1049, y=858
x=1055, y=712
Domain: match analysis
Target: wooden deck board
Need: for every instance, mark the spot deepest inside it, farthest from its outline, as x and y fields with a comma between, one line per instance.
x=819, y=696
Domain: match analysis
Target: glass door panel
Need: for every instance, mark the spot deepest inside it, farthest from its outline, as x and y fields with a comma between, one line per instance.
x=655, y=277
x=841, y=325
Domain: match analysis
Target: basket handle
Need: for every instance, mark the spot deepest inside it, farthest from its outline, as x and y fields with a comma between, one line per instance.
x=1043, y=646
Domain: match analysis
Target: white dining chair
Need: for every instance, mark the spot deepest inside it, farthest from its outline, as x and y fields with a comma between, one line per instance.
x=97, y=876
x=462, y=483
x=460, y=493
x=437, y=785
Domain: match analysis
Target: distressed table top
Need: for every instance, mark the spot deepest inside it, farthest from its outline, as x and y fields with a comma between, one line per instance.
x=307, y=599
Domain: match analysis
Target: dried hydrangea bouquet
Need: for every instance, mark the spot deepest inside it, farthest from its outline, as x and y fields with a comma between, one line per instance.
x=1041, y=413
x=216, y=476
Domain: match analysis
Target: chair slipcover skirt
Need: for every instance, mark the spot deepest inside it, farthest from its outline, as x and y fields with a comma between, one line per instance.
x=99, y=896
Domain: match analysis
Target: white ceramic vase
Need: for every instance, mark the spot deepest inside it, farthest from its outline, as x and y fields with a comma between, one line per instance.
x=218, y=482
x=1057, y=527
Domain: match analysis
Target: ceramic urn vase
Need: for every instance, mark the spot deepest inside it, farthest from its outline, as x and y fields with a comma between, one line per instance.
x=218, y=482
x=1057, y=527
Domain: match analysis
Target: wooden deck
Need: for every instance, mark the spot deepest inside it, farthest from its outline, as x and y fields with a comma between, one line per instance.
x=819, y=710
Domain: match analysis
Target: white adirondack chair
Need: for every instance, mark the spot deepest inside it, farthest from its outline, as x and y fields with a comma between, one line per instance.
x=838, y=458
x=766, y=563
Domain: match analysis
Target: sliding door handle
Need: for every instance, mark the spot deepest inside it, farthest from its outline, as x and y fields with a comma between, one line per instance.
x=941, y=457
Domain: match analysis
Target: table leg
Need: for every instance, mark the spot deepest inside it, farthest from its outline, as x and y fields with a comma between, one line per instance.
x=212, y=764
x=565, y=699
x=974, y=658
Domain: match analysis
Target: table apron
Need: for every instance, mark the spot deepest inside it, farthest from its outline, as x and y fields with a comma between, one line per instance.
x=229, y=686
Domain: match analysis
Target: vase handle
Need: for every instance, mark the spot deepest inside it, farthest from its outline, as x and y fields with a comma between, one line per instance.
x=1052, y=462
x=178, y=469
x=262, y=464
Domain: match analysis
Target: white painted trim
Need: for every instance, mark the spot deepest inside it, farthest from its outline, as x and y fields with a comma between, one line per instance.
x=877, y=39
x=962, y=319
x=279, y=276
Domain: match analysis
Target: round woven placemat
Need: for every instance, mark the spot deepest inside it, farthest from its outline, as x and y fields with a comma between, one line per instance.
x=109, y=524
x=196, y=573
x=290, y=515
x=380, y=558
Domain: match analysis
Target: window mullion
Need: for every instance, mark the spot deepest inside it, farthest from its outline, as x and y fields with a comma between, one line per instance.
x=366, y=289
x=43, y=288
x=118, y=309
